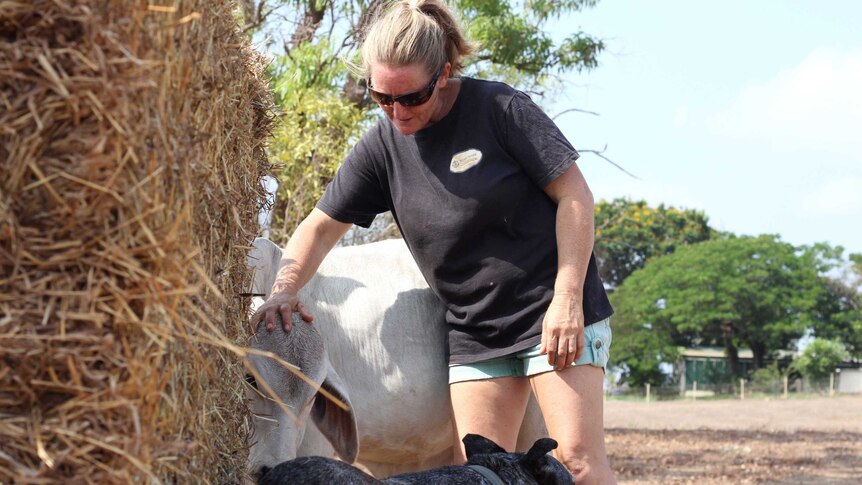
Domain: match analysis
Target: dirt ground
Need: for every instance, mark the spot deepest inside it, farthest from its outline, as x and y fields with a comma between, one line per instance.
x=807, y=441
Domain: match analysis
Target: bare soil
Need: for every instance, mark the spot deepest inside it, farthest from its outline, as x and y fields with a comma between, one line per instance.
x=810, y=441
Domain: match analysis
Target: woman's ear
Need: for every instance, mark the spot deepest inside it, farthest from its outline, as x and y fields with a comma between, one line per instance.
x=444, y=75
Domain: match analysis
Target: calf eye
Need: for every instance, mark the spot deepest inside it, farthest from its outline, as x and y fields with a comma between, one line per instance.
x=250, y=380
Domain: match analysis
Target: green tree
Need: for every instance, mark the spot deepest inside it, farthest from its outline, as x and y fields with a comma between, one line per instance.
x=628, y=233
x=820, y=358
x=840, y=305
x=755, y=292
x=856, y=266
x=842, y=318
x=325, y=110
x=639, y=350
x=768, y=376
x=314, y=134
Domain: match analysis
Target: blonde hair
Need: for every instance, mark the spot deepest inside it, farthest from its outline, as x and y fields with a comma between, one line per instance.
x=415, y=31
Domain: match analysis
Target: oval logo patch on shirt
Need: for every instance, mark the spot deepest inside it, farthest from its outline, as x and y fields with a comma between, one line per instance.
x=463, y=161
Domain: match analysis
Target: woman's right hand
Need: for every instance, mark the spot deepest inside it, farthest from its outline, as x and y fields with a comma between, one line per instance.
x=282, y=303
x=305, y=250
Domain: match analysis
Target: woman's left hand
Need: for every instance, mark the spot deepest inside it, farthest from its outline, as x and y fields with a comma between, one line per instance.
x=563, y=330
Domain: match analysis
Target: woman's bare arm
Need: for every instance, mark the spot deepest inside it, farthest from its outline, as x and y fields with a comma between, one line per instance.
x=309, y=244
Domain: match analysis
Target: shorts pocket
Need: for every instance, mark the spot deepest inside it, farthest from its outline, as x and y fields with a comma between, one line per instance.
x=600, y=343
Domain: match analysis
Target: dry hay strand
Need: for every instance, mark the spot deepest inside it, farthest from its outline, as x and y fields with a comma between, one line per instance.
x=131, y=153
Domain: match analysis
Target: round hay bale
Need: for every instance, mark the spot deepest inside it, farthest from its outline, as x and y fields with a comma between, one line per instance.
x=132, y=145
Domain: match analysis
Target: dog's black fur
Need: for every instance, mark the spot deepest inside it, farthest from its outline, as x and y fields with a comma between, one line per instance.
x=536, y=467
x=316, y=470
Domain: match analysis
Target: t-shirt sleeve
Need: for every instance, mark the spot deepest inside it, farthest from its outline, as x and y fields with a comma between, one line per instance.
x=534, y=140
x=356, y=194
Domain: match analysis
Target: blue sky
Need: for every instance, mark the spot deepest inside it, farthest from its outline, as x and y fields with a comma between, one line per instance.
x=748, y=110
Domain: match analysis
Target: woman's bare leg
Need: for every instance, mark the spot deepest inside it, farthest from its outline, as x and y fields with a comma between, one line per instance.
x=571, y=402
x=492, y=408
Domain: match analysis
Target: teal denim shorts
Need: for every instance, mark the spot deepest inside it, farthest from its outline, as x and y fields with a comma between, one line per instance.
x=529, y=362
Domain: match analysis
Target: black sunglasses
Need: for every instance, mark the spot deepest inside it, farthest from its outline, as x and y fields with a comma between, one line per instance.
x=411, y=99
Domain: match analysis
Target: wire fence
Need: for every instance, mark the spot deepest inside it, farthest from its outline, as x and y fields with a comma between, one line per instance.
x=783, y=388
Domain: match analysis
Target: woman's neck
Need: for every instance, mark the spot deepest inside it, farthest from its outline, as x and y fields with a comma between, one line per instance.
x=448, y=96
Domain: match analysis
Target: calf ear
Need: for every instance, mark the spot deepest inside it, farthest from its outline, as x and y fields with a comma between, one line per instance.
x=475, y=444
x=540, y=448
x=337, y=425
x=265, y=259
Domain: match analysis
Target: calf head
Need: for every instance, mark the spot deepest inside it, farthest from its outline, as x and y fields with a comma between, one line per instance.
x=535, y=466
x=264, y=259
x=281, y=402
x=276, y=434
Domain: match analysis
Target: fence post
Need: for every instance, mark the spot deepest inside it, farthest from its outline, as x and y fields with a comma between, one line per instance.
x=785, y=387
x=831, y=384
x=694, y=391
x=647, y=392
x=742, y=389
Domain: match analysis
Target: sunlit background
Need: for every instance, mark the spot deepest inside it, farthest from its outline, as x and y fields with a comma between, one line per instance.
x=749, y=111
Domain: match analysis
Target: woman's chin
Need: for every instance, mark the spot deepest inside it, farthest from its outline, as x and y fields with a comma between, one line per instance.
x=407, y=127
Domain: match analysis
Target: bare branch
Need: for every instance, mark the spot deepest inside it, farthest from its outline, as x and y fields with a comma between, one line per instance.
x=354, y=89
x=600, y=154
x=561, y=113
x=357, y=33
x=311, y=20
x=255, y=17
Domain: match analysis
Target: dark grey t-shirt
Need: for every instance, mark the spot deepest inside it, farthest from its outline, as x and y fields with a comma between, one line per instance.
x=467, y=194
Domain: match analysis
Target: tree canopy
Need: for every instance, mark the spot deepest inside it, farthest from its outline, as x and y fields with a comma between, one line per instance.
x=628, y=233
x=735, y=292
x=840, y=305
x=820, y=358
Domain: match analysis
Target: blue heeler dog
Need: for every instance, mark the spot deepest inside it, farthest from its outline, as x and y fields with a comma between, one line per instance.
x=487, y=464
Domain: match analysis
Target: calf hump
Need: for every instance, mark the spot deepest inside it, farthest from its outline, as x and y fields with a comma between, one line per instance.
x=337, y=424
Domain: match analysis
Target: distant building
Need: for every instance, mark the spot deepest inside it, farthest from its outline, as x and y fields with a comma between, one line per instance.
x=708, y=366
x=849, y=380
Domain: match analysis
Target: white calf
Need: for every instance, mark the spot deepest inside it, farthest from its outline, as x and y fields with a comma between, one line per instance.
x=378, y=342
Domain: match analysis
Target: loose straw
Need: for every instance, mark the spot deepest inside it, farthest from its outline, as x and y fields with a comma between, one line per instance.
x=132, y=145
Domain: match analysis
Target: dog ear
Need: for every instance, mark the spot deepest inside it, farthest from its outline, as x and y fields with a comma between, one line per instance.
x=475, y=444
x=539, y=449
x=544, y=467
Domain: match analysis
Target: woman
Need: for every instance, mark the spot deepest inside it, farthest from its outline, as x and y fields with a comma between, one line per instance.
x=488, y=197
